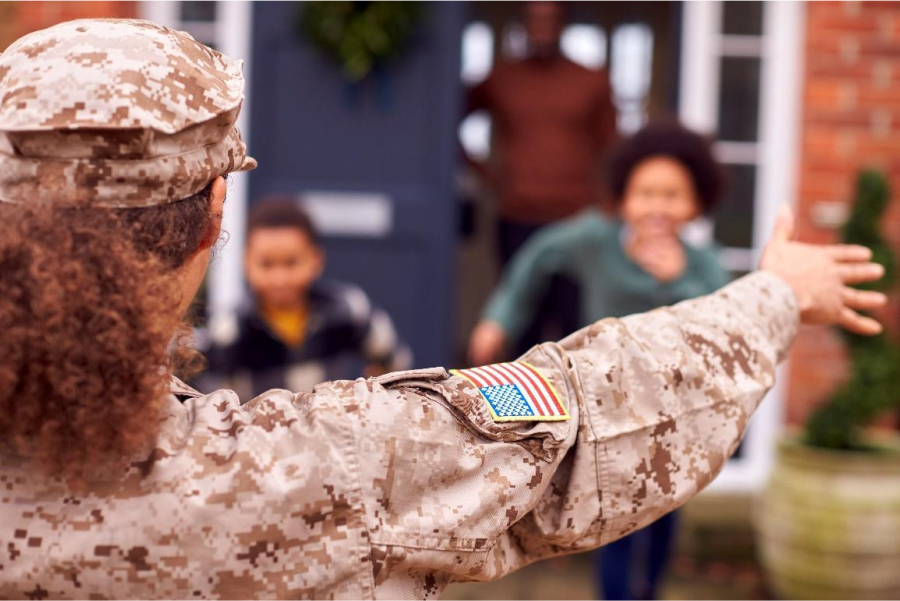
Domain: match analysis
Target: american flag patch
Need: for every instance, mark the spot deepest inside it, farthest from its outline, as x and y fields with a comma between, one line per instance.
x=516, y=392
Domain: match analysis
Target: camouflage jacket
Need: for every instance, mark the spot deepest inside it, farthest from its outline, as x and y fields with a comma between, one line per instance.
x=395, y=486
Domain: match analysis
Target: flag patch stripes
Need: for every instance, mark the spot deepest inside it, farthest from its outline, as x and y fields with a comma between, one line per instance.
x=516, y=391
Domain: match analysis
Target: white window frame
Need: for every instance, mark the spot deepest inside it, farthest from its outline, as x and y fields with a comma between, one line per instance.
x=775, y=153
x=232, y=36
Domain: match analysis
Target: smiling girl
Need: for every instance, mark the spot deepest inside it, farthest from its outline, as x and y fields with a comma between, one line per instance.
x=662, y=178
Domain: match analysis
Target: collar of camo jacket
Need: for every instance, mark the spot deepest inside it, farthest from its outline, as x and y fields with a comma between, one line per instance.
x=116, y=113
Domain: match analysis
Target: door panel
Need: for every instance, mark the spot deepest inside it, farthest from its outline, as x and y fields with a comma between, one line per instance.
x=393, y=135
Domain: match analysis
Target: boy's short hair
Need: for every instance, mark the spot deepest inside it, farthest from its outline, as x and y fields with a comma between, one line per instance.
x=673, y=140
x=280, y=212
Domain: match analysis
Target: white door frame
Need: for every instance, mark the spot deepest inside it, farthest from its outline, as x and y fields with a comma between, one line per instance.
x=233, y=31
x=776, y=155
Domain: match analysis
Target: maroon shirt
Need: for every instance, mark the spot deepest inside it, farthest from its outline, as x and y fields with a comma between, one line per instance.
x=552, y=121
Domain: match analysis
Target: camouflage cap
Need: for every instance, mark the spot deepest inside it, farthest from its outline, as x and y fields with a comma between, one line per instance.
x=116, y=113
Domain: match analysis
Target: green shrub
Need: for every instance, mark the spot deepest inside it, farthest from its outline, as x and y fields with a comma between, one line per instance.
x=359, y=35
x=874, y=383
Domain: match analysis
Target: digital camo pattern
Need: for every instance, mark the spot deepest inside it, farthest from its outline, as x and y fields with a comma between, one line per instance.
x=116, y=113
x=395, y=486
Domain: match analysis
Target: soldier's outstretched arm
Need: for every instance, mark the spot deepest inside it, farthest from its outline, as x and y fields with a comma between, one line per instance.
x=453, y=490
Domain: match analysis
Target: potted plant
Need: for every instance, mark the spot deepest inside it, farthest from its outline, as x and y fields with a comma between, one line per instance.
x=829, y=521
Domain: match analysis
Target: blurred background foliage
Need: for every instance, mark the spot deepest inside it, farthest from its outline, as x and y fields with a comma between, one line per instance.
x=359, y=36
x=874, y=383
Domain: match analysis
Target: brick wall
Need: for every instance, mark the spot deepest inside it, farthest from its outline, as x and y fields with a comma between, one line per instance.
x=19, y=18
x=851, y=120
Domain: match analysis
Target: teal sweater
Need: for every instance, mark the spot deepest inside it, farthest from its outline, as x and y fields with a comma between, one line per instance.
x=588, y=249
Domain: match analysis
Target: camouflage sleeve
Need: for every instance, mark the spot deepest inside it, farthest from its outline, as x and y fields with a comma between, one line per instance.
x=658, y=402
x=666, y=396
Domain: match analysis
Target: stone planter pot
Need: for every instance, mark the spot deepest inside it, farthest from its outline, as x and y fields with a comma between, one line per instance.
x=829, y=523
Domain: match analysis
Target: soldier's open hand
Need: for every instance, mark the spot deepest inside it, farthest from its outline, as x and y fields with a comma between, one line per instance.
x=821, y=277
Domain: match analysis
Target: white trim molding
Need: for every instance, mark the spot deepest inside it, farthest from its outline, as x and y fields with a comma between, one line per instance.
x=700, y=65
x=232, y=36
x=775, y=154
x=226, y=278
x=159, y=11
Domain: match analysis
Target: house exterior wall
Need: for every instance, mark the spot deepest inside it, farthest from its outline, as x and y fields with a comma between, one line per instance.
x=850, y=120
x=19, y=18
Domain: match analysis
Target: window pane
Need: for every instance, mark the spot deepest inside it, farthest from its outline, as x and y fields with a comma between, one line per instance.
x=477, y=52
x=742, y=18
x=734, y=216
x=475, y=135
x=198, y=11
x=585, y=45
x=631, y=72
x=739, y=99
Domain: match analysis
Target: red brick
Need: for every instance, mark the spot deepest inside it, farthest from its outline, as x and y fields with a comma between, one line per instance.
x=818, y=367
x=821, y=9
x=876, y=45
x=870, y=96
x=830, y=96
x=821, y=44
x=817, y=186
x=25, y=17
x=830, y=125
x=880, y=149
x=853, y=119
x=822, y=64
x=864, y=23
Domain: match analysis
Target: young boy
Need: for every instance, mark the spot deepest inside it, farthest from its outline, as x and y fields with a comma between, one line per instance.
x=298, y=330
x=662, y=177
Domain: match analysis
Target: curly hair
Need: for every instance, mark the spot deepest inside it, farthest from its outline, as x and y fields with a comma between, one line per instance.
x=672, y=140
x=87, y=311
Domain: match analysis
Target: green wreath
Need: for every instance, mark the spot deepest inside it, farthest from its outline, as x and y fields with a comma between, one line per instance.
x=359, y=35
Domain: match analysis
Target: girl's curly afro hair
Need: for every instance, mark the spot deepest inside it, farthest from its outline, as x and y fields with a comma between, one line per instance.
x=673, y=140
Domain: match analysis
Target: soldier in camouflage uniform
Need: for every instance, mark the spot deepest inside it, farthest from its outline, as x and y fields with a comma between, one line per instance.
x=390, y=487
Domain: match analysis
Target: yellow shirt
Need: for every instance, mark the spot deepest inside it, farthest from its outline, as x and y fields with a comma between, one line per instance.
x=289, y=325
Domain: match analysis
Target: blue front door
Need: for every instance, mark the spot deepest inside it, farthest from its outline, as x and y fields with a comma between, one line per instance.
x=375, y=160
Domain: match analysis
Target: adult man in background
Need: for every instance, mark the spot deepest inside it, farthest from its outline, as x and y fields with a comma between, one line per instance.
x=552, y=122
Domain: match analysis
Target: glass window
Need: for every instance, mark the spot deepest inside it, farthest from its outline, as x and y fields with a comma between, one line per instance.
x=198, y=11
x=734, y=215
x=475, y=135
x=477, y=52
x=742, y=18
x=739, y=99
x=585, y=45
x=631, y=72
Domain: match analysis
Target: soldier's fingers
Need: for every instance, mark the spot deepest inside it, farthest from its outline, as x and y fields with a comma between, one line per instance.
x=848, y=252
x=858, y=324
x=865, y=300
x=784, y=225
x=857, y=273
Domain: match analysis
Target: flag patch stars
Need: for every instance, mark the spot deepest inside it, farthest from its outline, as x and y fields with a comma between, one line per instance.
x=516, y=391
